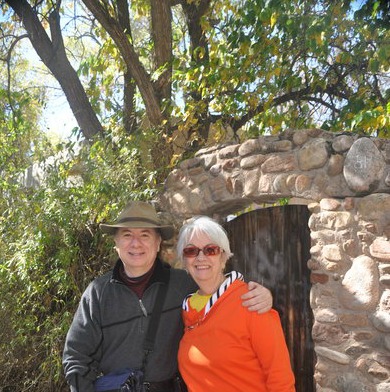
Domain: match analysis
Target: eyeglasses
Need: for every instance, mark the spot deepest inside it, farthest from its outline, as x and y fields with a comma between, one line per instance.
x=208, y=250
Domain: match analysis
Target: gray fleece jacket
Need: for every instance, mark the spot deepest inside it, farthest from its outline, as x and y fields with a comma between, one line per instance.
x=110, y=324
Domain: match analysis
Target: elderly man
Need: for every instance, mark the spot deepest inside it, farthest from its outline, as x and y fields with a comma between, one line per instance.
x=110, y=324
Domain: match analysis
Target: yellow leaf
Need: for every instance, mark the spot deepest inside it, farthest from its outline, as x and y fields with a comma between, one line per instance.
x=319, y=38
x=382, y=121
x=253, y=101
x=269, y=102
x=273, y=19
x=245, y=47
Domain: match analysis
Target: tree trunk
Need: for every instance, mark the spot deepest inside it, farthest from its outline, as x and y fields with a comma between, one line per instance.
x=130, y=57
x=162, y=38
x=129, y=86
x=194, y=11
x=54, y=57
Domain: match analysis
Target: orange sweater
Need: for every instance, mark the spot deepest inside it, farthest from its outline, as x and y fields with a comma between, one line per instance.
x=233, y=349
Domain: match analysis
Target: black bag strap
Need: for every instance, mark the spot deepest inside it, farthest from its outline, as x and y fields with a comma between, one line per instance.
x=155, y=318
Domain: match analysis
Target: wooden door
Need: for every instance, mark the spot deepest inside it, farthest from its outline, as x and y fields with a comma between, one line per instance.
x=271, y=246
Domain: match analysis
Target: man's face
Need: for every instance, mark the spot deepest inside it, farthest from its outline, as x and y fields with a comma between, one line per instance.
x=137, y=248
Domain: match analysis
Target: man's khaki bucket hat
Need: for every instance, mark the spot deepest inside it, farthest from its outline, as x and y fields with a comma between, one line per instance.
x=139, y=215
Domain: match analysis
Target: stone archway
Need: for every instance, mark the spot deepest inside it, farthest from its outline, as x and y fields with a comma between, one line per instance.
x=345, y=180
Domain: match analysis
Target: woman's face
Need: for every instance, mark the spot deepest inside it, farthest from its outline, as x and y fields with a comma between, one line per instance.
x=206, y=270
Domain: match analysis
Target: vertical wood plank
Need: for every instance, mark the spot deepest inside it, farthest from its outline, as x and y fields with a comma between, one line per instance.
x=271, y=246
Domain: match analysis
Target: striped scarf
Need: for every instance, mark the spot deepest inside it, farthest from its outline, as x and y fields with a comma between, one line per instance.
x=230, y=278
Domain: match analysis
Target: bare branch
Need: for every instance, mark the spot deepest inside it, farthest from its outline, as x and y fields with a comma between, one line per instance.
x=8, y=62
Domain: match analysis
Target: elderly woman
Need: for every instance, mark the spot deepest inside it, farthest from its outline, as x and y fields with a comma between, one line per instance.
x=225, y=347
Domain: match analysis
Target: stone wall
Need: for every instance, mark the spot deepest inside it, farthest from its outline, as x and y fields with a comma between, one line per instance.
x=350, y=295
x=345, y=180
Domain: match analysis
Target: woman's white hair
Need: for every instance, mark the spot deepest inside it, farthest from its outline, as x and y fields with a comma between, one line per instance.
x=206, y=226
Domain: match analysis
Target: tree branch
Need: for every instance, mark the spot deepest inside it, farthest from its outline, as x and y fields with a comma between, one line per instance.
x=194, y=11
x=302, y=95
x=129, y=87
x=54, y=57
x=8, y=61
x=162, y=38
x=130, y=58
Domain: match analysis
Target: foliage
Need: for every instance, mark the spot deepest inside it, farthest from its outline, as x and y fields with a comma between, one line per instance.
x=233, y=69
x=295, y=64
x=229, y=68
x=21, y=141
x=51, y=249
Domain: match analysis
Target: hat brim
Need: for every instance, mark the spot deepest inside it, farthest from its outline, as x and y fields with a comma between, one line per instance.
x=165, y=230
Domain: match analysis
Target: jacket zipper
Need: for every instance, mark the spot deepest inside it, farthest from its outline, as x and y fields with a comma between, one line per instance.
x=144, y=311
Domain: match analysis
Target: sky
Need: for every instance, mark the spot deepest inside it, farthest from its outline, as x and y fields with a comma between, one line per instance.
x=57, y=117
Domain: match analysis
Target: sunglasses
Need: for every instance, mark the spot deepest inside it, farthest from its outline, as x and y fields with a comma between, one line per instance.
x=208, y=250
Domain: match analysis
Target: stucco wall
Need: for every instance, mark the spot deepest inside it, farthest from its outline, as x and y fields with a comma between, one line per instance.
x=345, y=180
